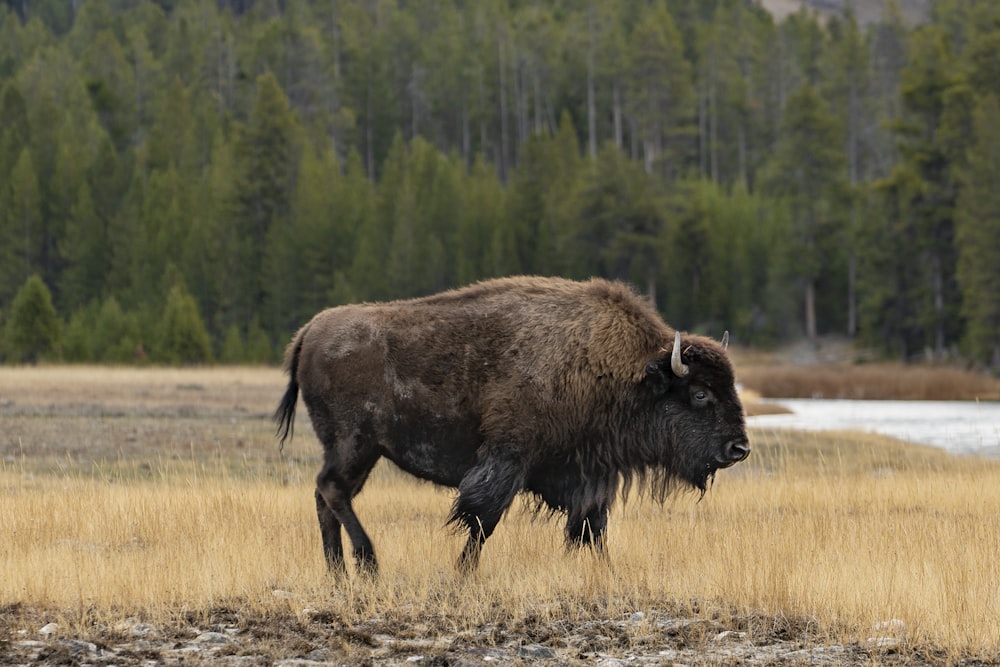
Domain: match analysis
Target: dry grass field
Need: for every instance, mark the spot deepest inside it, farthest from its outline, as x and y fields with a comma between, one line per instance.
x=148, y=518
x=876, y=381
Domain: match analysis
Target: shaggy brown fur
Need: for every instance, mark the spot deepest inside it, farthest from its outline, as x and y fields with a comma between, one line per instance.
x=560, y=388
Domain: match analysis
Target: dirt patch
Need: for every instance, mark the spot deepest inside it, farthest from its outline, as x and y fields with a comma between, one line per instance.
x=309, y=637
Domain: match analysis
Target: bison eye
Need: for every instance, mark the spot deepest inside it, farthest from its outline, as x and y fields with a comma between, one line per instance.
x=700, y=397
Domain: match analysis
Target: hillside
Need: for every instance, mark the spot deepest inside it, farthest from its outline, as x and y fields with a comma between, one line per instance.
x=868, y=10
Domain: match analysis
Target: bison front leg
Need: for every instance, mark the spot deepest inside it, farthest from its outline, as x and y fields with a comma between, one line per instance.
x=588, y=529
x=484, y=494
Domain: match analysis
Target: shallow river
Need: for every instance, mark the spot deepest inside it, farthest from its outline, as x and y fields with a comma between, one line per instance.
x=958, y=426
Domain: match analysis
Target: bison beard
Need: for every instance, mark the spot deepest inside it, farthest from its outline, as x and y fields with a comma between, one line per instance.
x=567, y=390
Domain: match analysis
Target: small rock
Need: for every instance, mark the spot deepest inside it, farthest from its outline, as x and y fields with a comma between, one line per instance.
x=884, y=642
x=214, y=638
x=890, y=634
x=142, y=630
x=76, y=647
x=536, y=651
x=894, y=626
x=416, y=658
x=49, y=629
x=29, y=644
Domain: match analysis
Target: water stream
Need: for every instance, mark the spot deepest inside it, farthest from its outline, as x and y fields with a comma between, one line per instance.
x=957, y=426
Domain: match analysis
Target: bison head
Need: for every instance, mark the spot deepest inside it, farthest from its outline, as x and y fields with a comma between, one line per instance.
x=697, y=424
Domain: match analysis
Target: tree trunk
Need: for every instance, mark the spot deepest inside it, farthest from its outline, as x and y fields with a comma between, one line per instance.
x=504, y=156
x=651, y=286
x=702, y=133
x=713, y=125
x=369, y=135
x=539, y=107
x=617, y=114
x=811, y=310
x=591, y=101
x=938, y=309
x=852, y=300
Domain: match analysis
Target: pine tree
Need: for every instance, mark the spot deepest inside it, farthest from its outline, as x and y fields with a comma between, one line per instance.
x=233, y=350
x=977, y=232
x=807, y=173
x=182, y=335
x=266, y=161
x=25, y=214
x=935, y=102
x=77, y=345
x=14, y=137
x=660, y=95
x=116, y=337
x=85, y=250
x=483, y=216
x=369, y=267
x=32, y=326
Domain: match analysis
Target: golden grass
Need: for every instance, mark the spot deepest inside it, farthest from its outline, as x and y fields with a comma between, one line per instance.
x=840, y=531
x=868, y=381
x=846, y=530
x=247, y=388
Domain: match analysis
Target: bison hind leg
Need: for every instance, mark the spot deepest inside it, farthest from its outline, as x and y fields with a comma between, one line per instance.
x=329, y=527
x=336, y=485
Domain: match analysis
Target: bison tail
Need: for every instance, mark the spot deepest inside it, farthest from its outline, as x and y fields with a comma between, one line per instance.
x=284, y=416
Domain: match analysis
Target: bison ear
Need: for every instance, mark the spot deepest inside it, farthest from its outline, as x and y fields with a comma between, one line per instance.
x=658, y=375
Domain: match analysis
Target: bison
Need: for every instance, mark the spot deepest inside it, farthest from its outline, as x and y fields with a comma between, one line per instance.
x=568, y=390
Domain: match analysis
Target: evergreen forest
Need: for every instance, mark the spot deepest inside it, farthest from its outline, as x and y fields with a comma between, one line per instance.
x=185, y=181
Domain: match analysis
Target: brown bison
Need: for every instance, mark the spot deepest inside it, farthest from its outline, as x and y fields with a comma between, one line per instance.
x=564, y=389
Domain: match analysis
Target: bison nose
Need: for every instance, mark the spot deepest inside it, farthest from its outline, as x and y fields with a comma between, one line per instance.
x=737, y=450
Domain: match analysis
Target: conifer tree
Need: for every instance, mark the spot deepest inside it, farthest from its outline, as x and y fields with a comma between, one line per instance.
x=977, y=234
x=85, y=250
x=266, y=160
x=182, y=338
x=116, y=337
x=233, y=350
x=32, y=325
x=660, y=94
x=807, y=173
x=77, y=336
x=935, y=100
x=25, y=214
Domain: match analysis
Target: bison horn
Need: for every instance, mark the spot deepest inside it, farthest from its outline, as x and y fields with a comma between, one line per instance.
x=725, y=341
x=679, y=368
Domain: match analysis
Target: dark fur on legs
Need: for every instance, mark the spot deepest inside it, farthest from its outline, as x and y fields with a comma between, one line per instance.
x=484, y=495
x=333, y=509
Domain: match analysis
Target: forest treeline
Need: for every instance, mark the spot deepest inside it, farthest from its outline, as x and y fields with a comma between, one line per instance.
x=183, y=181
